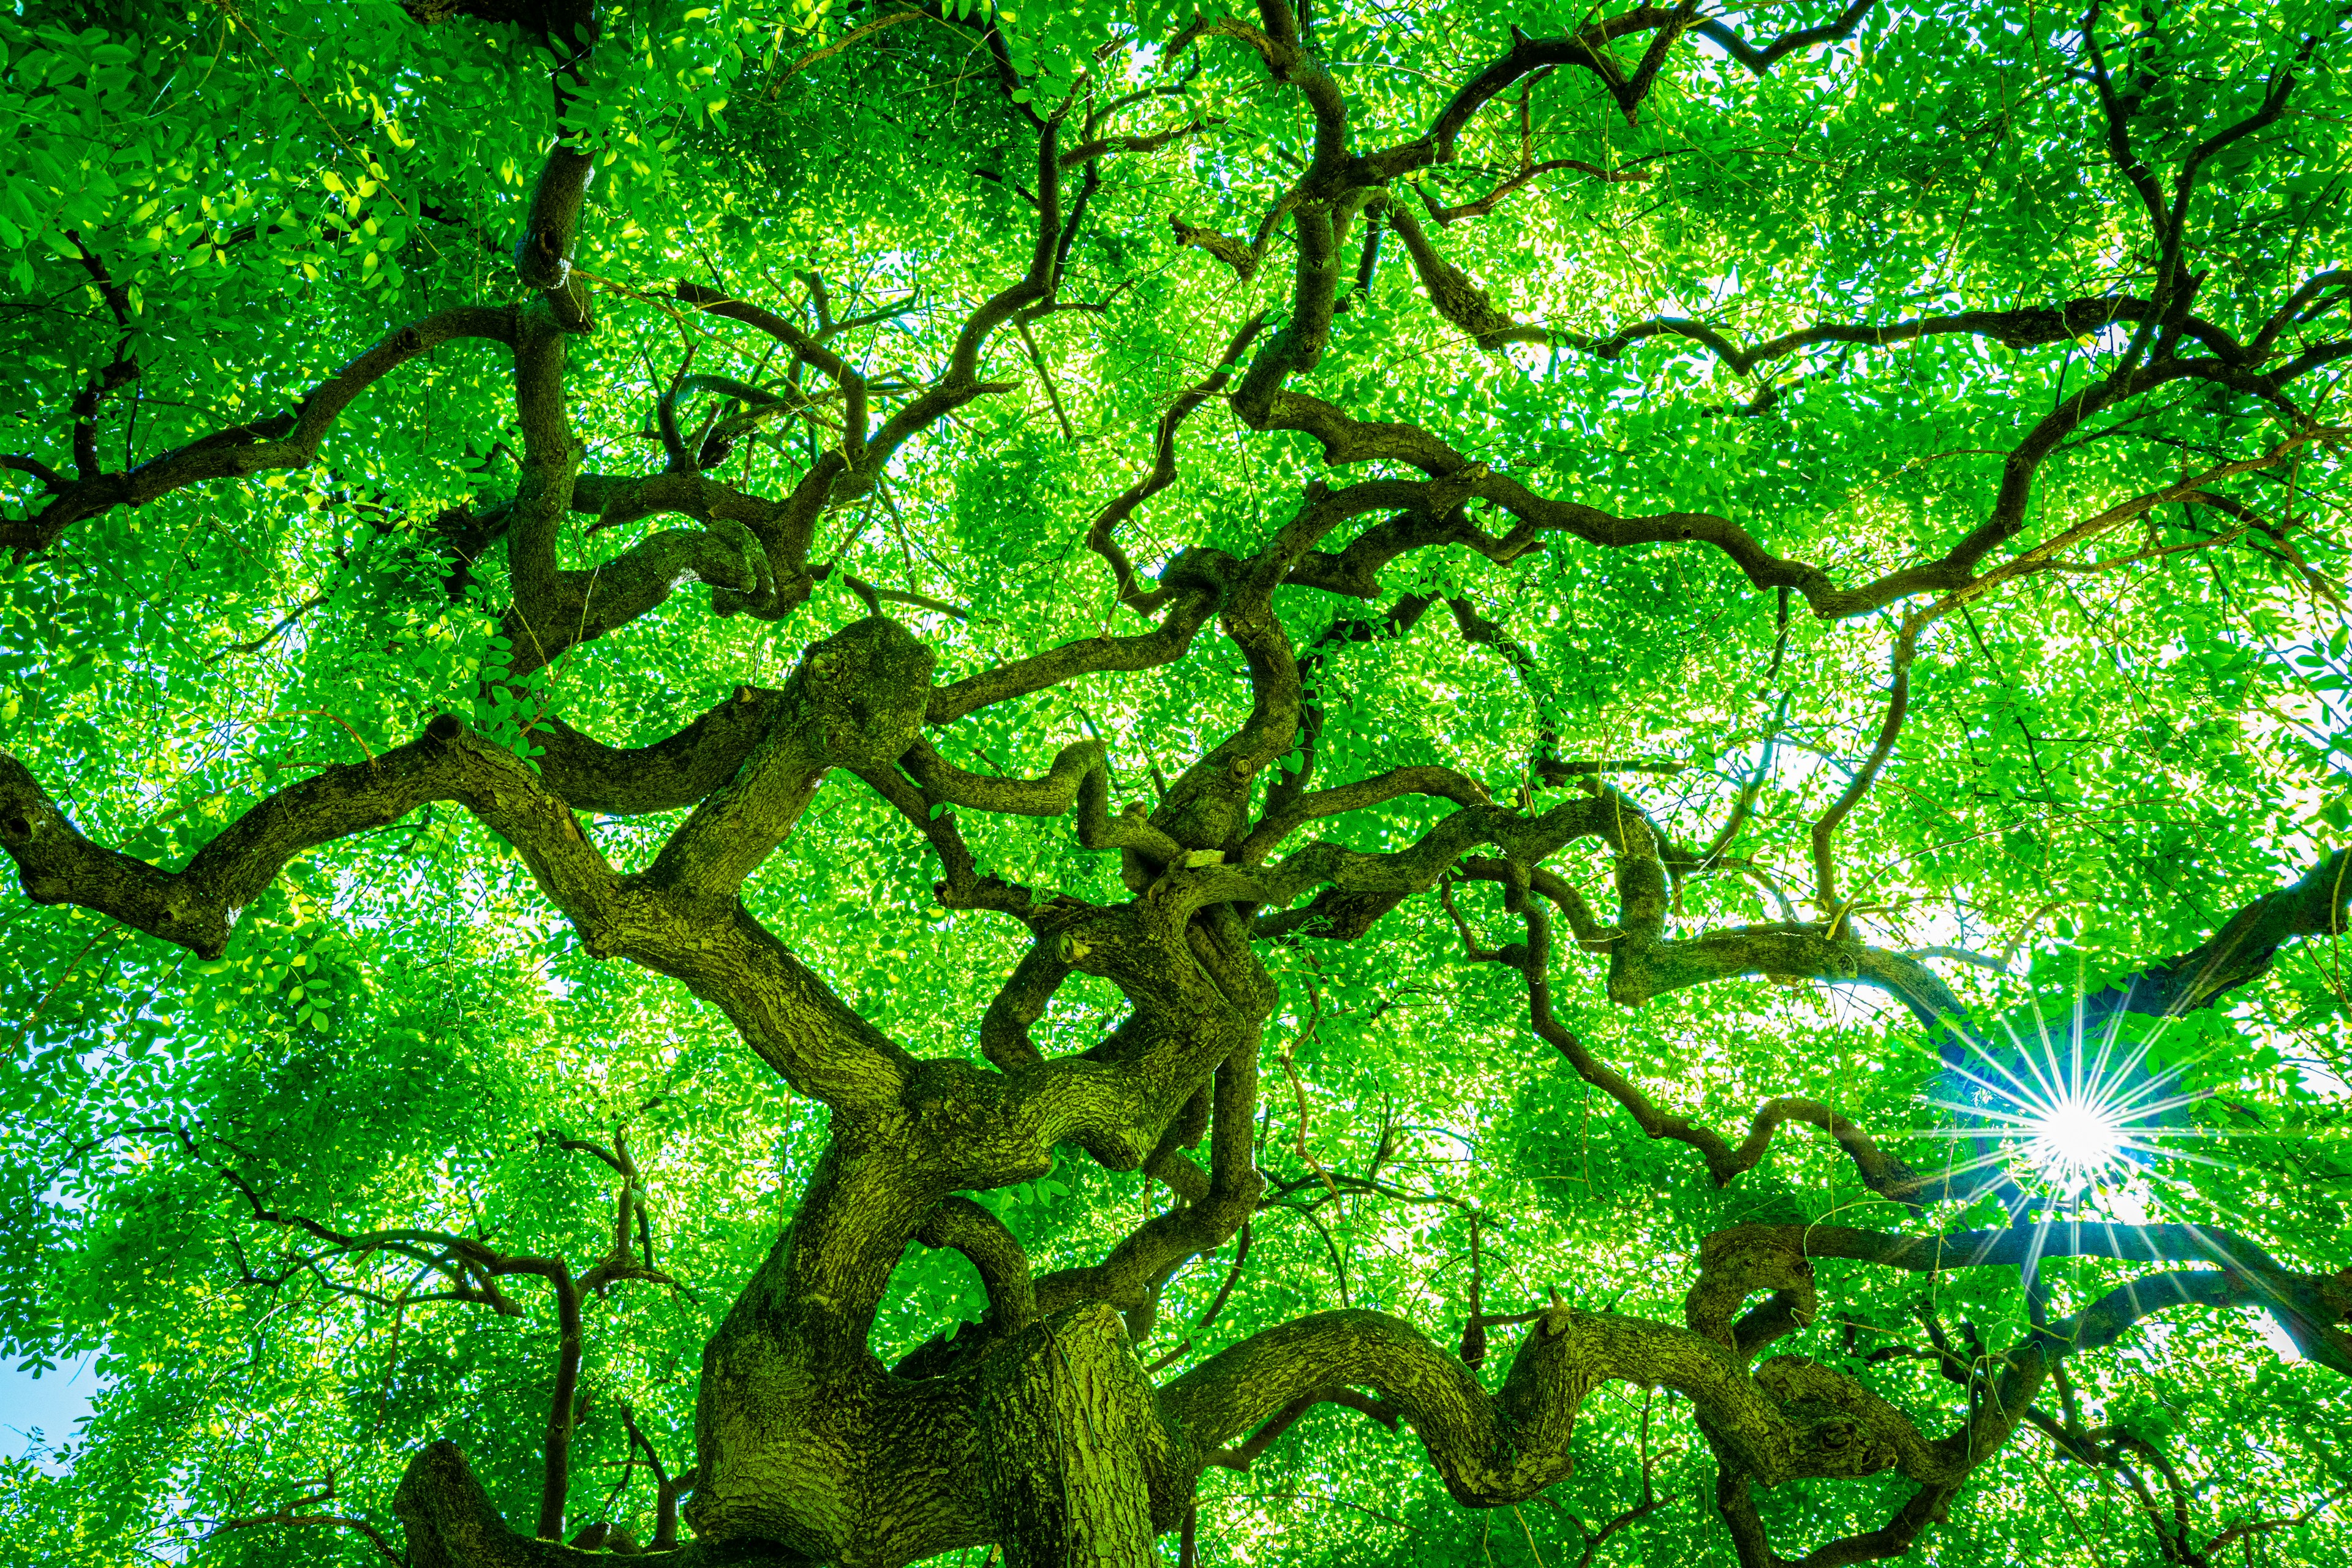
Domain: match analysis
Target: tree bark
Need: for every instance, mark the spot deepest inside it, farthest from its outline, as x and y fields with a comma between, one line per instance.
x=1069, y=1428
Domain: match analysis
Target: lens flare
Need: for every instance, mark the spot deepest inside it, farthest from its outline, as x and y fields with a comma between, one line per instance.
x=2076, y=1141
x=2070, y=1104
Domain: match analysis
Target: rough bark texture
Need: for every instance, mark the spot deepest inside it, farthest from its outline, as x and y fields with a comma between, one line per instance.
x=1074, y=1440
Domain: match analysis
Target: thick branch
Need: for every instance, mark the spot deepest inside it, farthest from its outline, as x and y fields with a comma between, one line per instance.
x=820, y=1046
x=1494, y=1450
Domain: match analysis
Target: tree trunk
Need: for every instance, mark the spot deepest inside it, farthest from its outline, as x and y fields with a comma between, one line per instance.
x=1071, y=1432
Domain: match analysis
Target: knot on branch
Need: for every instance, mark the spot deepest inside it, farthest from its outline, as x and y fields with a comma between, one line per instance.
x=1735, y=1265
x=738, y=552
x=1838, y=1429
x=861, y=693
x=543, y=253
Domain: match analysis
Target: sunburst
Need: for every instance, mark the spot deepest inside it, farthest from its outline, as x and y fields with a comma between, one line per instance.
x=2076, y=1141
x=2074, y=1108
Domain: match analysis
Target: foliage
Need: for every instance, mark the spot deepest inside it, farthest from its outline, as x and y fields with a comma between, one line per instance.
x=1629, y=584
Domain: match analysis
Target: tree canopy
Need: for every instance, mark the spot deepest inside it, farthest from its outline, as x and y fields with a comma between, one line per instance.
x=843, y=783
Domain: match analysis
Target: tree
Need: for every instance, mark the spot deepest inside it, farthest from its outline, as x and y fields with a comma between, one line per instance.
x=1301, y=604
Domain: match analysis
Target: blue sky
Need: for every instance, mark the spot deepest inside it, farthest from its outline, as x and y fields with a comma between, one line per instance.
x=54, y=1404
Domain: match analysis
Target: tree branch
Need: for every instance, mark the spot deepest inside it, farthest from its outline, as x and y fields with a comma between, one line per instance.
x=280, y=441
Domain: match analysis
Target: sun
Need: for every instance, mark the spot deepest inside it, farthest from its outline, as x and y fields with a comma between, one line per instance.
x=2072, y=1104
x=2075, y=1137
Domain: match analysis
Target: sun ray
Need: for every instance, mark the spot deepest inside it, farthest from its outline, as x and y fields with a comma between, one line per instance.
x=2074, y=1101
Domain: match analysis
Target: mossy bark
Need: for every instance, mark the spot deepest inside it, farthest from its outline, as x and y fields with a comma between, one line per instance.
x=1072, y=1437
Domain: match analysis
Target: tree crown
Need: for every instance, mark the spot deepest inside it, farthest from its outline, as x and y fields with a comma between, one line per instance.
x=735, y=734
